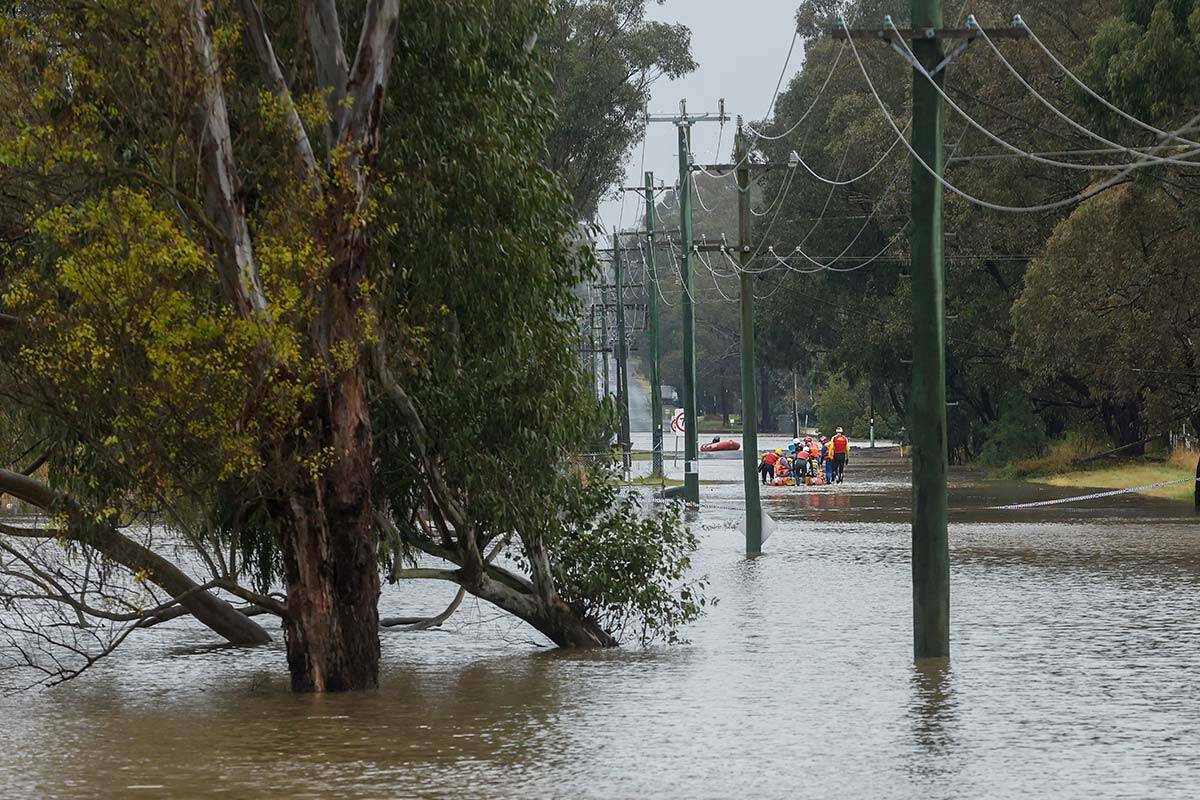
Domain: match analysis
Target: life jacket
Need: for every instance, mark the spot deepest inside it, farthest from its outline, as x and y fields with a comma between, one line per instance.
x=815, y=450
x=841, y=444
x=781, y=468
x=802, y=454
x=770, y=458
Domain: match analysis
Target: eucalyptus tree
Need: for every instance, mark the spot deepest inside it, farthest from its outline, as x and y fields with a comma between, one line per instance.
x=603, y=57
x=295, y=284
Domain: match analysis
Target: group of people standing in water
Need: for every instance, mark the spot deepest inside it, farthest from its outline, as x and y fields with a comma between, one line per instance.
x=809, y=461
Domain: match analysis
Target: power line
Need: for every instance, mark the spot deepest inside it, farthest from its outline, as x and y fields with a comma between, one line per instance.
x=1077, y=126
x=827, y=264
x=1018, y=20
x=811, y=106
x=1147, y=160
x=858, y=177
x=1073, y=200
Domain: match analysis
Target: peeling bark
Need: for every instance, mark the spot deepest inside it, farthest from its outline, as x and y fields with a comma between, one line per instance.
x=328, y=542
x=222, y=192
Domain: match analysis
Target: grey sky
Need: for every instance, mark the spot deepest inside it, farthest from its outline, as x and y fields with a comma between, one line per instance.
x=744, y=75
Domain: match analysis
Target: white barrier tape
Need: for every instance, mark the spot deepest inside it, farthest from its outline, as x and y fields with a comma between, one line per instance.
x=1092, y=496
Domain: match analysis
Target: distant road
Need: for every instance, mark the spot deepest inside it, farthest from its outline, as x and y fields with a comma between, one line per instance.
x=639, y=402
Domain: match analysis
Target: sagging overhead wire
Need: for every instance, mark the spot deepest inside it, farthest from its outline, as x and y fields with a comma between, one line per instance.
x=1092, y=191
x=775, y=137
x=1019, y=21
x=1146, y=160
x=713, y=273
x=1152, y=160
x=649, y=269
x=675, y=259
x=782, y=73
x=771, y=207
x=699, y=198
x=828, y=264
x=860, y=176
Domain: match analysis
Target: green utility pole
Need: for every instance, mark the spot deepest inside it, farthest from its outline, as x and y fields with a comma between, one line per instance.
x=931, y=551
x=656, y=406
x=691, y=451
x=592, y=349
x=749, y=385
x=621, y=352
x=604, y=335
x=691, y=445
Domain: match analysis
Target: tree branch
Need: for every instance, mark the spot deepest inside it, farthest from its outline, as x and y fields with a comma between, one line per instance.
x=425, y=573
x=265, y=602
x=329, y=57
x=260, y=43
x=408, y=410
x=367, y=79
x=425, y=623
x=222, y=194
x=214, y=612
x=429, y=547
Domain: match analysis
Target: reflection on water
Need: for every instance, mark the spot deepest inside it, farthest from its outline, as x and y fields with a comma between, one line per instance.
x=932, y=710
x=1076, y=673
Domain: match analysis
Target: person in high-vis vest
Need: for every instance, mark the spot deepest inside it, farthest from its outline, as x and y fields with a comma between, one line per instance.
x=841, y=454
x=766, y=467
x=827, y=459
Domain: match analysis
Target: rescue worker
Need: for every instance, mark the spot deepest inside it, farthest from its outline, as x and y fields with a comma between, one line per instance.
x=827, y=459
x=801, y=461
x=766, y=467
x=782, y=470
x=841, y=453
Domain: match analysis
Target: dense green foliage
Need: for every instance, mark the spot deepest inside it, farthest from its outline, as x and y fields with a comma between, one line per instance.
x=603, y=56
x=484, y=305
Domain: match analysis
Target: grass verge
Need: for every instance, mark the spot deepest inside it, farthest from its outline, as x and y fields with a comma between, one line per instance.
x=1139, y=472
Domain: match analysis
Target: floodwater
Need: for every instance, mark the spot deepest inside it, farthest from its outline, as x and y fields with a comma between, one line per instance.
x=1075, y=674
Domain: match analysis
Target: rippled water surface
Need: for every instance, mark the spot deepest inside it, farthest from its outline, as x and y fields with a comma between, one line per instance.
x=1075, y=673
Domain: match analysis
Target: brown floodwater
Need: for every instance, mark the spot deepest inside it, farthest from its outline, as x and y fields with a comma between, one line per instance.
x=1075, y=674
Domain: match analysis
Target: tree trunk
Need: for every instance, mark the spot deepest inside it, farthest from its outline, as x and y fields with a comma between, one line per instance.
x=724, y=405
x=329, y=554
x=1123, y=422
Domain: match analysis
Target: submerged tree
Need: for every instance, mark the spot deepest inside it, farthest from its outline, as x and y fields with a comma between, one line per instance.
x=305, y=302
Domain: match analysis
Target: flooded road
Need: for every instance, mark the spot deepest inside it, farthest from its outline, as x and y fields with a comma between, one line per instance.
x=1075, y=673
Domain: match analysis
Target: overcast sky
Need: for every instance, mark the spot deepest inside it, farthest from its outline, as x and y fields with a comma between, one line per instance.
x=744, y=75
